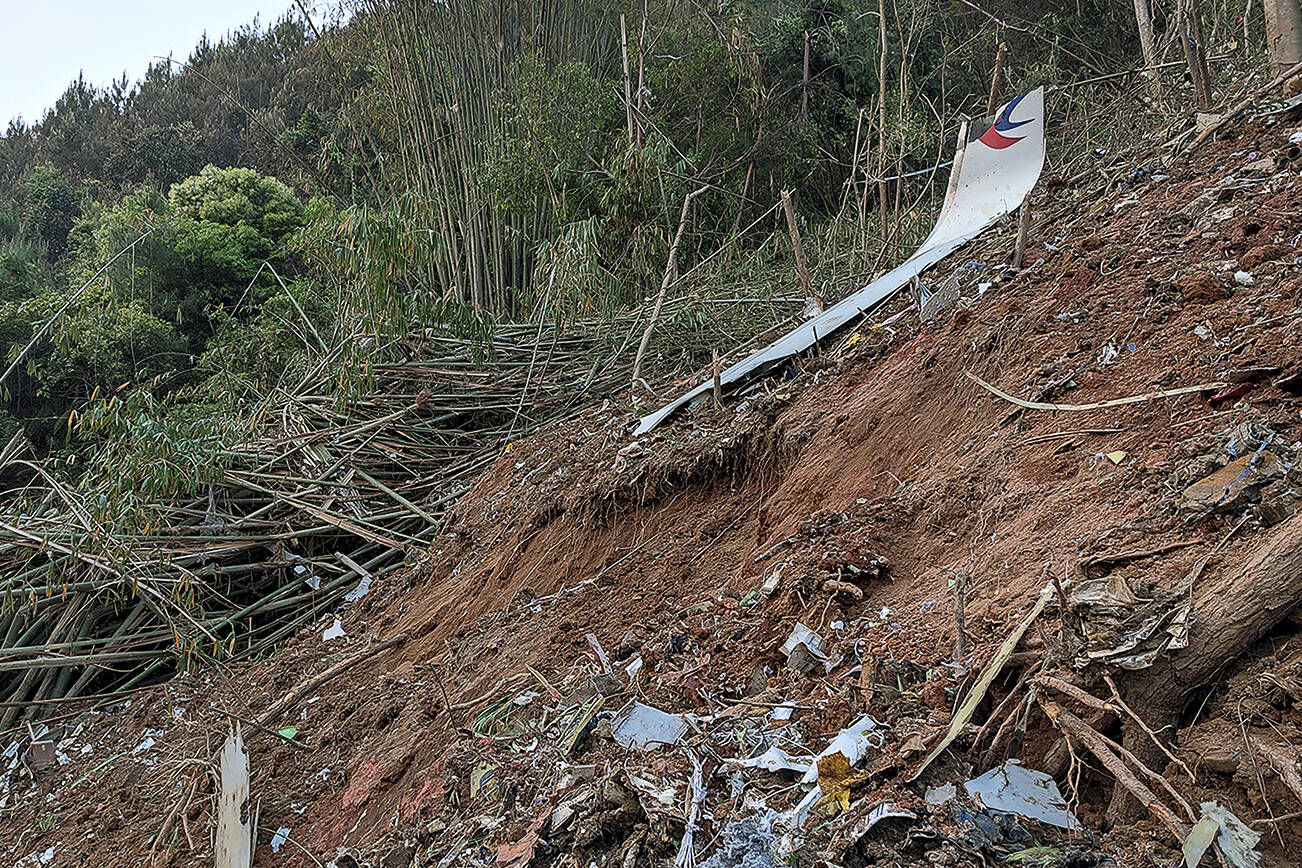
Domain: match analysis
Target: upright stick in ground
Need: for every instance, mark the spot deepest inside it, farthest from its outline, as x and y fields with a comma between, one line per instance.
x=670, y=268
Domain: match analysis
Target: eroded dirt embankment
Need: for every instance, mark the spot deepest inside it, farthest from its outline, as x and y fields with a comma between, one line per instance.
x=879, y=467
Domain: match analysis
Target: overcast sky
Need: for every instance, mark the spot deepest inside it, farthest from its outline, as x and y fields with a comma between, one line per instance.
x=45, y=43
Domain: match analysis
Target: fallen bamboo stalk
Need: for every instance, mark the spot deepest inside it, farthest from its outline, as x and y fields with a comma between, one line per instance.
x=1243, y=105
x=301, y=692
x=1100, y=405
x=993, y=668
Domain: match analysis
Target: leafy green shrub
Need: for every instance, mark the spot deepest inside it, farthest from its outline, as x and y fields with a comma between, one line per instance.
x=235, y=197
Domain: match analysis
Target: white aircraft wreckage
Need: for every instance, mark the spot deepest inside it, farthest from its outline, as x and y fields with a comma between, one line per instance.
x=992, y=176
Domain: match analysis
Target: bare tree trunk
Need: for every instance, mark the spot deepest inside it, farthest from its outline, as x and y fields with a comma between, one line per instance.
x=802, y=268
x=1144, y=18
x=1189, y=31
x=996, y=80
x=628, y=84
x=1284, y=33
x=1200, y=52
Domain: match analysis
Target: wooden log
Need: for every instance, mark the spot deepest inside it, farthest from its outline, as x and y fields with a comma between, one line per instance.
x=1232, y=611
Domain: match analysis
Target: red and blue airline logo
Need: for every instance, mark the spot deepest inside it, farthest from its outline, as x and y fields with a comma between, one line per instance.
x=995, y=138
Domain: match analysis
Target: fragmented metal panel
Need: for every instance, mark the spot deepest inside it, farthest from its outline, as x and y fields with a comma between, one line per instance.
x=992, y=175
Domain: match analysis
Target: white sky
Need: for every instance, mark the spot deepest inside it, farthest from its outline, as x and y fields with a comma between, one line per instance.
x=45, y=43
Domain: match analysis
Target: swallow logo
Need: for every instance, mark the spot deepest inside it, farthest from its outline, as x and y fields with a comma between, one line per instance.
x=995, y=138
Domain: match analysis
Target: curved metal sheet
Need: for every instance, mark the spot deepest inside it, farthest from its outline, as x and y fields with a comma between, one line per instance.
x=992, y=175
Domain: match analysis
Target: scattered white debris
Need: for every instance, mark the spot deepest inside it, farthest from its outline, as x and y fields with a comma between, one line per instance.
x=883, y=811
x=644, y=727
x=1244, y=278
x=363, y=588
x=941, y=795
x=1236, y=841
x=335, y=631
x=853, y=742
x=775, y=759
x=1015, y=789
x=278, y=840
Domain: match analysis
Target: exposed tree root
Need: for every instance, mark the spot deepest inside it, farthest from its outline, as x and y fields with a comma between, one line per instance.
x=1232, y=612
x=1106, y=752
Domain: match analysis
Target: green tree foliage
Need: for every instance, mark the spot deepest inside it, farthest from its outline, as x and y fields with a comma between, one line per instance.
x=215, y=242
x=205, y=255
x=238, y=197
x=50, y=210
x=20, y=274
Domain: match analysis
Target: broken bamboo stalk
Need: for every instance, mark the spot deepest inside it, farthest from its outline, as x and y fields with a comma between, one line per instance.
x=1023, y=229
x=670, y=270
x=303, y=690
x=997, y=79
x=993, y=668
x=1243, y=105
x=802, y=268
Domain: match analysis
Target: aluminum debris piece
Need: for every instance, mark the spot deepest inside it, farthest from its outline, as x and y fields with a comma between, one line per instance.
x=234, y=838
x=775, y=759
x=1236, y=842
x=804, y=650
x=1124, y=630
x=567, y=806
x=484, y=778
x=853, y=741
x=655, y=798
x=884, y=811
x=361, y=589
x=1015, y=789
x=643, y=727
x=941, y=795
